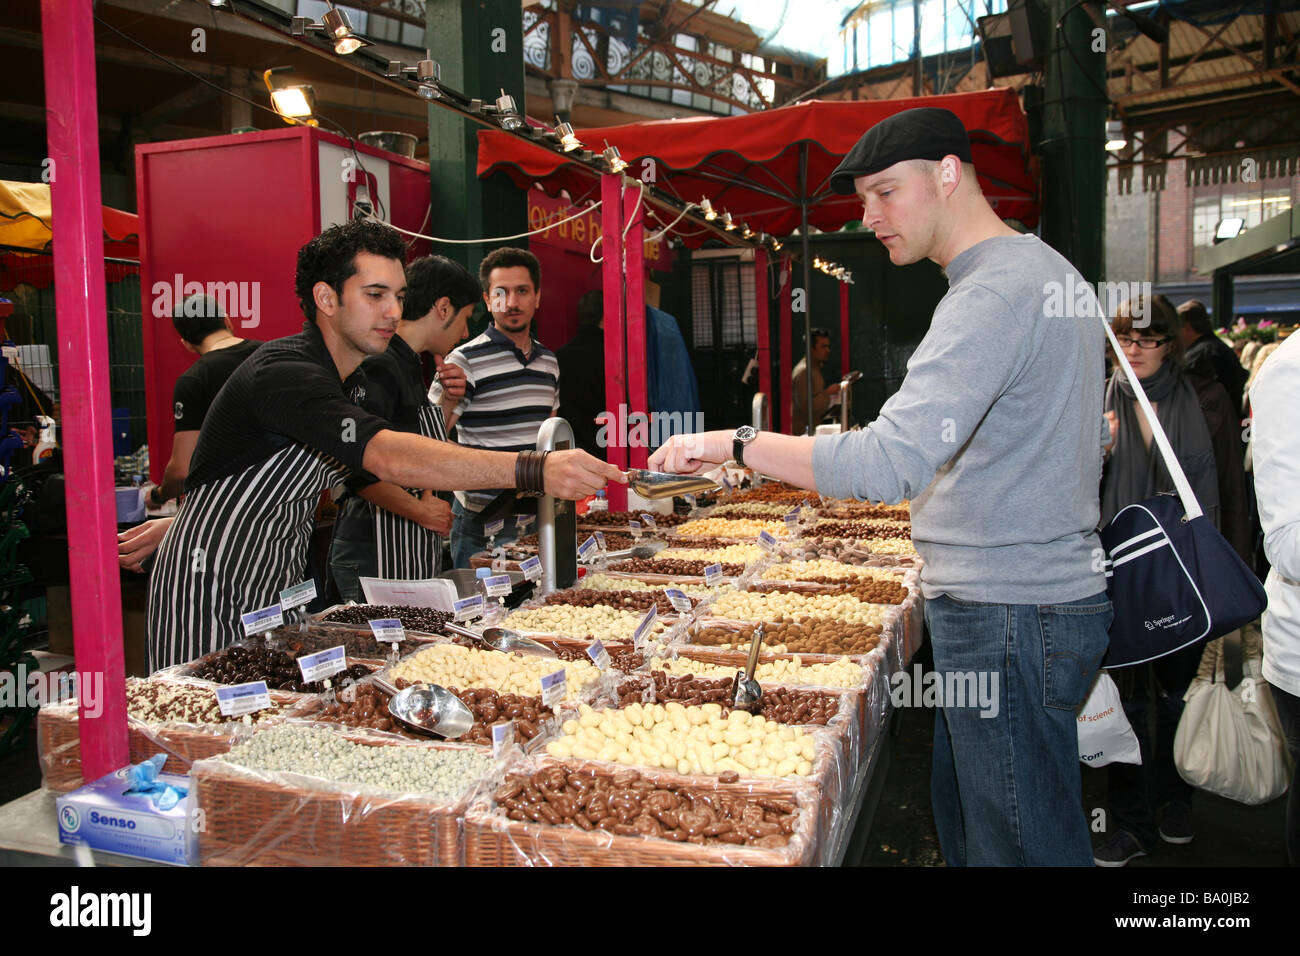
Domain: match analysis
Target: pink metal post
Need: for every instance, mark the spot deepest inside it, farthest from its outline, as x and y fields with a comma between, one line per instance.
x=638, y=370
x=763, y=301
x=611, y=226
x=844, y=329
x=72, y=121
x=783, y=344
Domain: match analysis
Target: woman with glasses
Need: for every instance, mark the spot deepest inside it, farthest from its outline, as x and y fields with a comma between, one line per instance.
x=1151, y=802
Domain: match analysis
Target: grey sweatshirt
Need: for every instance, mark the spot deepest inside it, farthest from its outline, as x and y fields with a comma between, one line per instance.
x=995, y=434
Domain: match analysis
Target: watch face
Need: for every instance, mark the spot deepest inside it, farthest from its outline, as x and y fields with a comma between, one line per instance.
x=746, y=433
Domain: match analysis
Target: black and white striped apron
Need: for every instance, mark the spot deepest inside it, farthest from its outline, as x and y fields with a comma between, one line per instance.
x=236, y=544
x=405, y=550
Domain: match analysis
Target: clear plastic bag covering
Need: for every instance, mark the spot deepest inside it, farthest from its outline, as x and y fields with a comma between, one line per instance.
x=263, y=817
x=493, y=839
x=58, y=736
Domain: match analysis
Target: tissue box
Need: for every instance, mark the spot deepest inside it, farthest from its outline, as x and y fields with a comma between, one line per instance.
x=102, y=816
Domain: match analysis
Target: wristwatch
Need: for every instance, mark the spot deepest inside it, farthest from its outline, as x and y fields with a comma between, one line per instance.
x=743, y=436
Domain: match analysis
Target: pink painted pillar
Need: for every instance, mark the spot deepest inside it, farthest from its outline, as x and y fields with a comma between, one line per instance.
x=611, y=226
x=783, y=343
x=763, y=301
x=72, y=121
x=844, y=329
x=638, y=365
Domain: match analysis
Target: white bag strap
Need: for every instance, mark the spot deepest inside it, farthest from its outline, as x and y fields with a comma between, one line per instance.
x=1191, y=507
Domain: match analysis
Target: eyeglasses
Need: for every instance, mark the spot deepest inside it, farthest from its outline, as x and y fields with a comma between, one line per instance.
x=1125, y=342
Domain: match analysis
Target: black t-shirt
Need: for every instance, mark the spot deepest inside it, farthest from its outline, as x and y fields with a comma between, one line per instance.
x=395, y=392
x=199, y=384
x=287, y=391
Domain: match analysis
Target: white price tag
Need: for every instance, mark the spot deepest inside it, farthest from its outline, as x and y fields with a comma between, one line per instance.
x=600, y=540
x=554, y=687
x=497, y=586
x=323, y=664
x=469, y=607
x=725, y=483
x=298, y=595
x=678, y=599
x=792, y=519
x=690, y=500
x=649, y=521
x=389, y=630
x=523, y=521
x=587, y=549
x=644, y=629
x=494, y=528
x=634, y=528
x=599, y=656
x=532, y=568
x=767, y=541
x=713, y=575
x=255, y=622
x=503, y=736
x=239, y=699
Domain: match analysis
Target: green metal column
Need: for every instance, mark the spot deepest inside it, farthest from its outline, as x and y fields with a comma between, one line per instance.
x=479, y=46
x=1074, y=128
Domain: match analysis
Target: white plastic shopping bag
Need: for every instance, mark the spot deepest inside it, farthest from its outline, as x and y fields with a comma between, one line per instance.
x=1105, y=735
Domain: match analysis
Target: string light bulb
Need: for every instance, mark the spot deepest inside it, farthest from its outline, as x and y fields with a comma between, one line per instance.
x=709, y=212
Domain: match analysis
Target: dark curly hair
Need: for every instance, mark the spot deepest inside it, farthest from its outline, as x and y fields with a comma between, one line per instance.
x=430, y=278
x=332, y=257
x=507, y=257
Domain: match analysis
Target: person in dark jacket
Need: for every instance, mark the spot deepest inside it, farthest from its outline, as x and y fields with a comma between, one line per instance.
x=1151, y=802
x=1206, y=354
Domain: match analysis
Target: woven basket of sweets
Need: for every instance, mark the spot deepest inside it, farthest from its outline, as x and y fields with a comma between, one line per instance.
x=262, y=818
x=492, y=838
x=58, y=738
x=358, y=641
x=247, y=661
x=417, y=622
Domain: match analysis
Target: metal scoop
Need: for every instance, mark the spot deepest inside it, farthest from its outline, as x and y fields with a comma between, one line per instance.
x=745, y=691
x=428, y=709
x=503, y=639
x=657, y=484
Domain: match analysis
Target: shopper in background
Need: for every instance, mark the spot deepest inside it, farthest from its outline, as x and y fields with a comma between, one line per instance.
x=1275, y=399
x=995, y=435
x=1206, y=354
x=286, y=427
x=511, y=387
x=821, y=392
x=1151, y=802
x=582, y=373
x=383, y=530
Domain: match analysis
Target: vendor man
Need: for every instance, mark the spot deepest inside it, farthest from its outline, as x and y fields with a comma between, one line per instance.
x=995, y=435
x=286, y=427
x=821, y=392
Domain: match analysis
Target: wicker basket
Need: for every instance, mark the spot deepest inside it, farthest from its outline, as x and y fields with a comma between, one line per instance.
x=491, y=839
x=252, y=818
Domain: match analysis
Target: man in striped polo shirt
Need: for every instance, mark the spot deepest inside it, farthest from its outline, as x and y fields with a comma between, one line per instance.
x=511, y=386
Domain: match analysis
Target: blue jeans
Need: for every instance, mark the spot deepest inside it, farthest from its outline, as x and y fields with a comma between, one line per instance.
x=1005, y=784
x=467, y=537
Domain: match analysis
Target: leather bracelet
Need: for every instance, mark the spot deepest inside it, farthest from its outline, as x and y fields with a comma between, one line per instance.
x=529, y=471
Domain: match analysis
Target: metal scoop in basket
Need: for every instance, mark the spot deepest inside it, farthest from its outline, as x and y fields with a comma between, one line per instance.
x=428, y=709
x=658, y=484
x=746, y=694
x=503, y=639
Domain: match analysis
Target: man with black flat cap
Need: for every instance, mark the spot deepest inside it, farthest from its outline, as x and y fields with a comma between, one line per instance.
x=996, y=436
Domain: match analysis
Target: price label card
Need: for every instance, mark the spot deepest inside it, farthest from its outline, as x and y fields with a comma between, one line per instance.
x=766, y=541
x=503, y=736
x=255, y=622
x=634, y=528
x=554, y=687
x=713, y=575
x=469, y=607
x=807, y=506
x=600, y=540
x=587, y=549
x=523, y=521
x=389, y=630
x=500, y=564
x=599, y=656
x=239, y=699
x=644, y=629
x=497, y=586
x=650, y=522
x=678, y=599
x=725, y=483
x=323, y=664
x=494, y=528
x=792, y=519
x=298, y=595
x=532, y=568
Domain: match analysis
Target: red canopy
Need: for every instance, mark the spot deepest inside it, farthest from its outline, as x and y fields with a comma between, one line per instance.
x=749, y=165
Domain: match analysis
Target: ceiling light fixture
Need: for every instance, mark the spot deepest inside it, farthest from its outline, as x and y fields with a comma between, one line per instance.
x=335, y=23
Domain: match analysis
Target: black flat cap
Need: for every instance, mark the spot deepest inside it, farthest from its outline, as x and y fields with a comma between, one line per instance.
x=924, y=133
